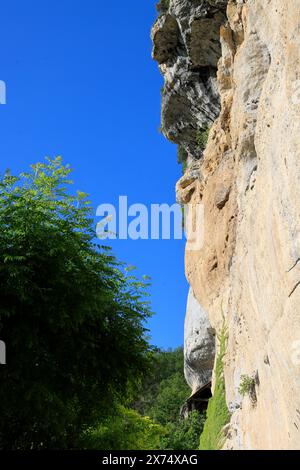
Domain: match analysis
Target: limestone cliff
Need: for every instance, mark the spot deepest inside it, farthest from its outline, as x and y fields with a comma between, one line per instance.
x=234, y=67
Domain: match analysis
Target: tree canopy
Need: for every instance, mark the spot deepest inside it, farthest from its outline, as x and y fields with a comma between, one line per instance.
x=161, y=397
x=72, y=318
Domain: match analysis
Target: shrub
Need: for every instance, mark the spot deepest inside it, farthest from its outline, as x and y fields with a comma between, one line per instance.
x=202, y=138
x=162, y=6
x=182, y=157
x=246, y=385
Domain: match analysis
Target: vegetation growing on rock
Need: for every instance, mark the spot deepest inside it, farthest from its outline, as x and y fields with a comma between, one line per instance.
x=182, y=157
x=202, y=138
x=246, y=385
x=162, y=5
x=218, y=414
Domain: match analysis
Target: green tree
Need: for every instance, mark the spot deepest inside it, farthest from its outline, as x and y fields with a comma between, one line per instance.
x=183, y=434
x=171, y=395
x=161, y=397
x=126, y=429
x=71, y=317
x=164, y=390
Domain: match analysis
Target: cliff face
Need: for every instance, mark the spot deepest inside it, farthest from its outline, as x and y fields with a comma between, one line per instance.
x=234, y=67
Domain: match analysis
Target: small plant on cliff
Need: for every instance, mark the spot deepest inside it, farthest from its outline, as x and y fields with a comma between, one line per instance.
x=247, y=387
x=202, y=138
x=162, y=6
x=162, y=91
x=182, y=157
x=217, y=415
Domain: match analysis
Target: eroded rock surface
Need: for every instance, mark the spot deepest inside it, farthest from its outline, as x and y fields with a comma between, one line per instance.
x=187, y=49
x=199, y=345
x=248, y=270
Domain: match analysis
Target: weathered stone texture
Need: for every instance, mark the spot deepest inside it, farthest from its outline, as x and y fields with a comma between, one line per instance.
x=248, y=271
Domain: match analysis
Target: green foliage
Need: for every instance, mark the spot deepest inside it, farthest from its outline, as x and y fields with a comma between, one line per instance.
x=247, y=385
x=182, y=157
x=163, y=392
x=161, y=397
x=126, y=429
x=217, y=413
x=183, y=434
x=162, y=6
x=202, y=138
x=72, y=320
x=171, y=395
x=152, y=422
x=181, y=154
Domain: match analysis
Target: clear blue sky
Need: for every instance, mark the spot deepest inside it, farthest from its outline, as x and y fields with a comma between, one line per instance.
x=81, y=84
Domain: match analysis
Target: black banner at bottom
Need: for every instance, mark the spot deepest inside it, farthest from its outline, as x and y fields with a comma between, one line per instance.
x=136, y=459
